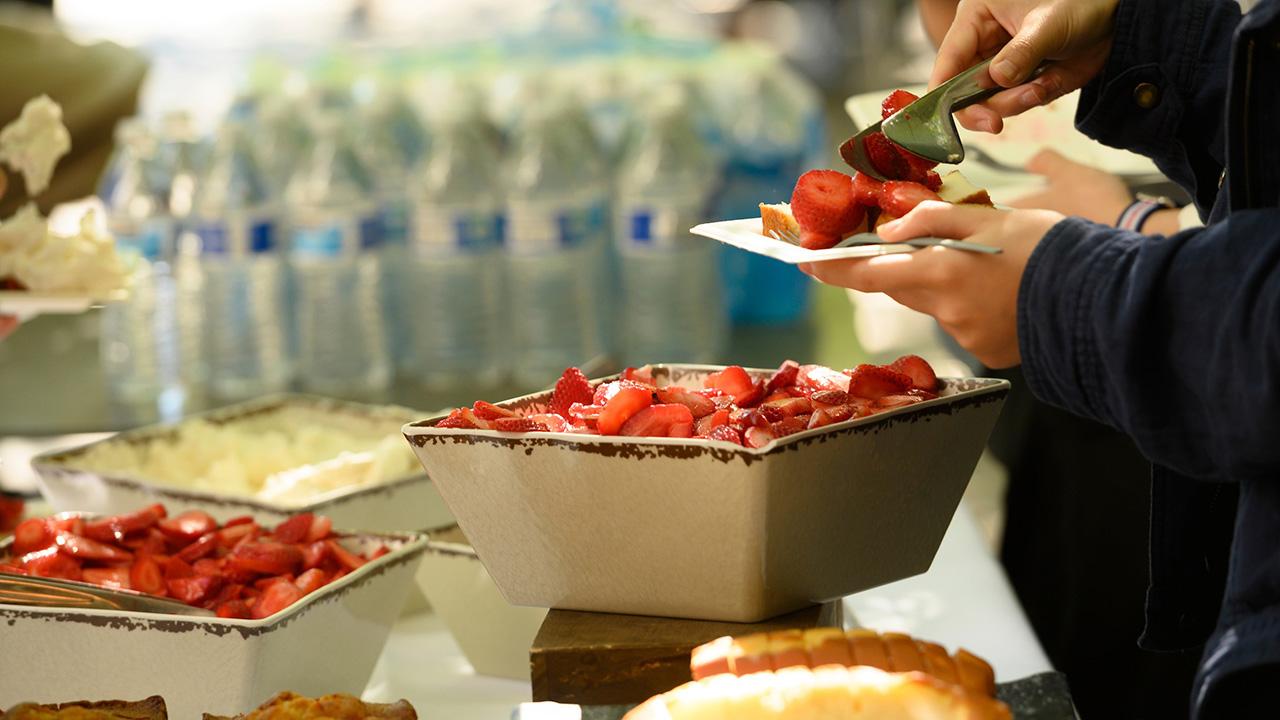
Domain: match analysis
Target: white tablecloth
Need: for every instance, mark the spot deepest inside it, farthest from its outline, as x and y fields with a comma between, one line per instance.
x=963, y=600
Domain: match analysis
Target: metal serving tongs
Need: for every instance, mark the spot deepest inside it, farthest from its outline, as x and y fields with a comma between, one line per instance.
x=36, y=591
x=925, y=127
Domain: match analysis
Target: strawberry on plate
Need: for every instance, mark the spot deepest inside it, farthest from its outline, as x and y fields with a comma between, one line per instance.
x=899, y=197
x=812, y=240
x=895, y=101
x=625, y=403
x=822, y=202
x=866, y=190
x=885, y=156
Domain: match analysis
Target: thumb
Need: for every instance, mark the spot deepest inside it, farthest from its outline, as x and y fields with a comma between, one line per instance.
x=1015, y=62
x=938, y=219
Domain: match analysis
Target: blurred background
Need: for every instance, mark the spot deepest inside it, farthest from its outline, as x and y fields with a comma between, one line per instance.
x=429, y=202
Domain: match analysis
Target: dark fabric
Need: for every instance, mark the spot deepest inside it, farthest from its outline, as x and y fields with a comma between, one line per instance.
x=1075, y=550
x=1176, y=340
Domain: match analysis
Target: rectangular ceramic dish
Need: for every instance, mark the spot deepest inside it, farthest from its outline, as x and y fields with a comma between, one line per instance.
x=705, y=529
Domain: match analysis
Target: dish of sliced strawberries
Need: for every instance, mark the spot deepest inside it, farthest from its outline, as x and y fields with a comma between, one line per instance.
x=730, y=405
x=238, y=570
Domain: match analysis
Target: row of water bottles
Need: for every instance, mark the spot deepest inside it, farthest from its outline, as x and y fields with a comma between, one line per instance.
x=440, y=252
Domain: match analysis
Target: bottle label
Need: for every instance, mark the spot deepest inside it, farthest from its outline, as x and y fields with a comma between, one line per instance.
x=444, y=229
x=230, y=237
x=534, y=230
x=147, y=239
x=643, y=228
x=334, y=239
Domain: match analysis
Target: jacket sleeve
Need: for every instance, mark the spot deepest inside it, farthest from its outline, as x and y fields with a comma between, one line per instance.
x=1163, y=90
x=1175, y=340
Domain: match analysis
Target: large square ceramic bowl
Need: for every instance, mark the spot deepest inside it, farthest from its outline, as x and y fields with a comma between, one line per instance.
x=408, y=502
x=710, y=530
x=494, y=634
x=329, y=641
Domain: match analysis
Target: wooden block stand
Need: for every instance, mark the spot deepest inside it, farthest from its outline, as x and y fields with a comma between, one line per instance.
x=601, y=659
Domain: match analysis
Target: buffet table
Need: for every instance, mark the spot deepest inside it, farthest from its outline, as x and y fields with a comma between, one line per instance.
x=963, y=600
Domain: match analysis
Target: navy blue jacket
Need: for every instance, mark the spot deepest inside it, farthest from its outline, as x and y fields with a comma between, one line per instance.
x=1176, y=340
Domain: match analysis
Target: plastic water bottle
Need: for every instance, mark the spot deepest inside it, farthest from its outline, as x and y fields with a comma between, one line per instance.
x=232, y=260
x=335, y=244
x=140, y=349
x=452, y=288
x=672, y=302
x=179, y=160
x=557, y=240
x=393, y=143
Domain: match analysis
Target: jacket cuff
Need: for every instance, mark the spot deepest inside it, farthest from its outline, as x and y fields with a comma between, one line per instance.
x=1056, y=307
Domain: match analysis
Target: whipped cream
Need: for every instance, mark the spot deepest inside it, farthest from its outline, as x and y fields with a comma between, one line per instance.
x=77, y=258
x=35, y=142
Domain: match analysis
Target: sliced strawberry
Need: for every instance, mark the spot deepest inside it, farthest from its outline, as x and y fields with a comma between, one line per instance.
x=896, y=100
x=552, y=422
x=274, y=599
x=900, y=197
x=145, y=576
x=789, y=426
x=111, y=577
x=572, y=387
x=866, y=190
x=923, y=394
x=311, y=580
x=321, y=526
x=821, y=377
x=822, y=202
x=752, y=397
x=152, y=543
x=830, y=397
x=489, y=411
x=238, y=520
x=379, y=551
x=813, y=240
x=82, y=548
x=708, y=423
x=175, y=568
x=887, y=402
x=294, y=529
x=588, y=413
x=31, y=535
x=784, y=376
x=790, y=406
x=757, y=437
x=11, y=569
x=725, y=433
x=875, y=381
x=200, y=548
x=314, y=554
x=699, y=405
x=605, y=391
x=11, y=509
x=188, y=526
x=233, y=535
x=933, y=181
x=116, y=527
x=771, y=413
x=518, y=424
x=345, y=557
x=642, y=375
x=919, y=370
x=458, y=421
x=885, y=156
x=266, y=557
x=207, y=566
x=658, y=421
x=819, y=418
x=50, y=563
x=237, y=609
x=625, y=403
x=840, y=413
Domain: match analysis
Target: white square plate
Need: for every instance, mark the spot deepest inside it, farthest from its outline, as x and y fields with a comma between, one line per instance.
x=748, y=235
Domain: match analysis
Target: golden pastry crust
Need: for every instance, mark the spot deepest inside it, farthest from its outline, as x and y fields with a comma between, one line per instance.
x=778, y=218
x=291, y=706
x=152, y=708
x=814, y=647
x=830, y=692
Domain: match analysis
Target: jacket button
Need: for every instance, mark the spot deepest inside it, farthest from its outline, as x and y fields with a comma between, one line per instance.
x=1146, y=95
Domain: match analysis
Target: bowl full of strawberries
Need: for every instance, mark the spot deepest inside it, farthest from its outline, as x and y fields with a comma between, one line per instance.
x=711, y=492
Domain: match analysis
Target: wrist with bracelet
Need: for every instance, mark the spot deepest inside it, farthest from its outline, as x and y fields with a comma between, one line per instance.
x=1141, y=209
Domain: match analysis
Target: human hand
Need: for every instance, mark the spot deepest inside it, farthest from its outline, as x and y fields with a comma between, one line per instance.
x=1075, y=189
x=973, y=297
x=8, y=323
x=1074, y=34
